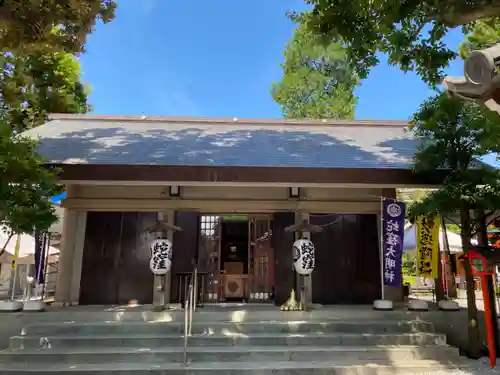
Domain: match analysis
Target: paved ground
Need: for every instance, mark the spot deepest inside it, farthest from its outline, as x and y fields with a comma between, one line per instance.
x=462, y=300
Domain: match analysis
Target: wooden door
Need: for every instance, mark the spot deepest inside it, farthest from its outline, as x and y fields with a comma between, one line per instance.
x=282, y=243
x=135, y=278
x=115, y=266
x=209, y=234
x=367, y=287
x=347, y=259
x=99, y=280
x=260, y=259
x=185, y=251
x=328, y=278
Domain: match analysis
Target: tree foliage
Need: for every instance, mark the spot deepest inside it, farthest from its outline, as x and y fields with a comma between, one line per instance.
x=454, y=135
x=410, y=196
x=25, y=184
x=63, y=25
x=483, y=34
x=35, y=85
x=409, y=264
x=317, y=81
x=410, y=32
x=32, y=85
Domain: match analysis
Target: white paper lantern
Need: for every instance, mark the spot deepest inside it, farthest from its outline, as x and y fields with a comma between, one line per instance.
x=303, y=257
x=161, y=256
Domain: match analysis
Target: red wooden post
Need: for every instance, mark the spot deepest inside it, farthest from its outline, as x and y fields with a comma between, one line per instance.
x=481, y=267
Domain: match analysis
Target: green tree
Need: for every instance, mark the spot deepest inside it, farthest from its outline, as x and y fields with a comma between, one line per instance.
x=317, y=81
x=410, y=196
x=455, y=135
x=483, y=33
x=63, y=25
x=409, y=264
x=35, y=85
x=409, y=32
x=26, y=185
x=32, y=85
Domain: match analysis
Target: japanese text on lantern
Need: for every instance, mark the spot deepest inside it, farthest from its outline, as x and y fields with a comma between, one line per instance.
x=427, y=246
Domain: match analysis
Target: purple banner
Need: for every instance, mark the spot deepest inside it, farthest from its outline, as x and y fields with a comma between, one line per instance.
x=393, y=221
x=40, y=248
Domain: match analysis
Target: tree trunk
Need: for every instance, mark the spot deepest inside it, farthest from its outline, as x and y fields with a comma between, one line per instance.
x=474, y=347
x=446, y=256
x=482, y=239
x=438, y=282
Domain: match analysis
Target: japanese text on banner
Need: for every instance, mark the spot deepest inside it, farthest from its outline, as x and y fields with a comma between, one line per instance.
x=427, y=246
x=393, y=215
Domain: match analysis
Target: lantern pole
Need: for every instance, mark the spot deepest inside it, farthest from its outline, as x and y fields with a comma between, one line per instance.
x=301, y=227
x=162, y=228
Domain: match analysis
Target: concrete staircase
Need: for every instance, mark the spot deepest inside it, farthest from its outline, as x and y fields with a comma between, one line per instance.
x=225, y=342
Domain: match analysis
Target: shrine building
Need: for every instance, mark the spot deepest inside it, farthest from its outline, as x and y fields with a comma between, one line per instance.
x=232, y=186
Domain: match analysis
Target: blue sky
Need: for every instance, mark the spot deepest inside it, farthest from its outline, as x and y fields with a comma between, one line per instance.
x=216, y=58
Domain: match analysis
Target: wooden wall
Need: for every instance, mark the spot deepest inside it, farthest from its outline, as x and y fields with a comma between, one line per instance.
x=347, y=260
x=115, y=266
x=116, y=257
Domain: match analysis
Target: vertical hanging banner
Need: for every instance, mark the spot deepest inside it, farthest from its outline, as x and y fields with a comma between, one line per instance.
x=428, y=246
x=40, y=248
x=393, y=216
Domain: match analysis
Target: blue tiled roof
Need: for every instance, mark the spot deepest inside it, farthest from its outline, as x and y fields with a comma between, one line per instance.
x=355, y=144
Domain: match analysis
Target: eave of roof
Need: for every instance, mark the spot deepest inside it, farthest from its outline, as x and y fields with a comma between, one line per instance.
x=225, y=142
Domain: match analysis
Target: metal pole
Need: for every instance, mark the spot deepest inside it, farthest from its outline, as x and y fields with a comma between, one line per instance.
x=46, y=270
x=15, y=266
x=447, y=256
x=382, y=246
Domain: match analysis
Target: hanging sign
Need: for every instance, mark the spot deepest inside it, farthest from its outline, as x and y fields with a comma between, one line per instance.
x=427, y=246
x=303, y=257
x=41, y=240
x=161, y=256
x=16, y=252
x=393, y=216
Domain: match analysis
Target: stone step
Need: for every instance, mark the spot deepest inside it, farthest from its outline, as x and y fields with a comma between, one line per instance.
x=150, y=341
x=267, y=313
x=347, y=367
x=230, y=354
x=118, y=328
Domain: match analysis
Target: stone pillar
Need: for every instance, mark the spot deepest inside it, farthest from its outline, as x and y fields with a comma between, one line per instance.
x=71, y=255
x=63, y=284
x=78, y=246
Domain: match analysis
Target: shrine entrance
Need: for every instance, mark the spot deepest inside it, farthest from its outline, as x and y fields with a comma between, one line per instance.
x=236, y=254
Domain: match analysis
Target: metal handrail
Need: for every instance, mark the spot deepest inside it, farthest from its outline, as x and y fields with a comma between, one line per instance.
x=190, y=308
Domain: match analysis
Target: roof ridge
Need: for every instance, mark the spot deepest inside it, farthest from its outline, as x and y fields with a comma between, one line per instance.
x=227, y=120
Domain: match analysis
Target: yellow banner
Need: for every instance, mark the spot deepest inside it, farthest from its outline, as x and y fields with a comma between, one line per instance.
x=428, y=246
x=16, y=251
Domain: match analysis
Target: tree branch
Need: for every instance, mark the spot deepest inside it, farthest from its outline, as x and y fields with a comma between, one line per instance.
x=6, y=243
x=453, y=221
x=458, y=16
x=489, y=222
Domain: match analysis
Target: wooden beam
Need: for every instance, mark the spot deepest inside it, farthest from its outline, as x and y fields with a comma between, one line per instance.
x=221, y=206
